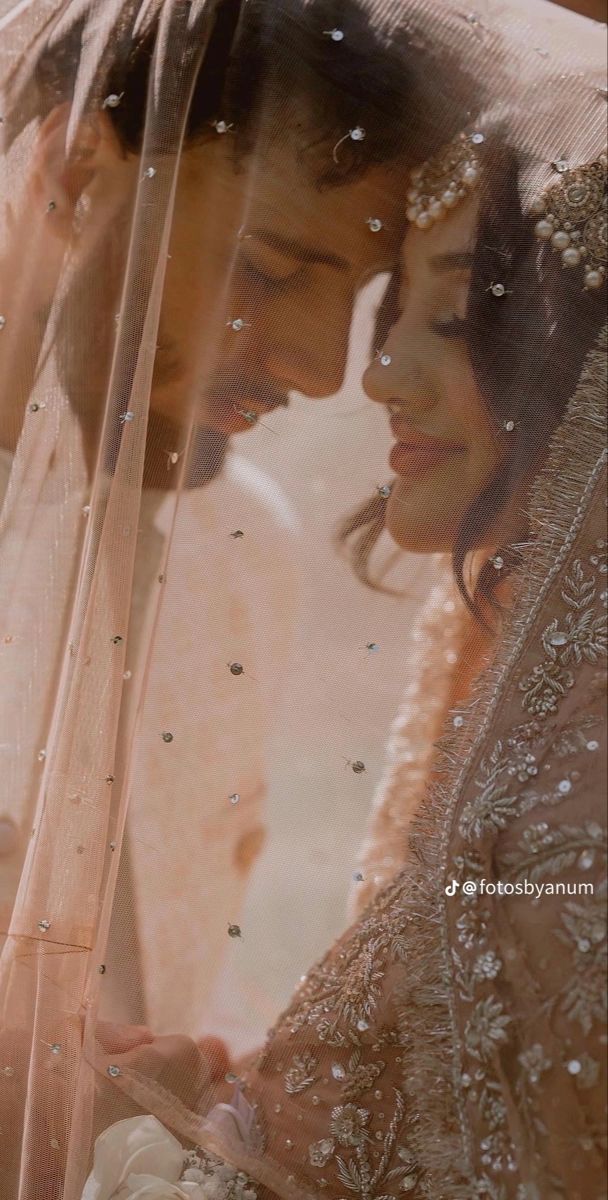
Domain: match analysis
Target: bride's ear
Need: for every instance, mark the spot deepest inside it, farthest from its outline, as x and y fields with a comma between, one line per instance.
x=57, y=182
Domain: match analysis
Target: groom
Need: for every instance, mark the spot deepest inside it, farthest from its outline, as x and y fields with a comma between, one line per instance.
x=290, y=197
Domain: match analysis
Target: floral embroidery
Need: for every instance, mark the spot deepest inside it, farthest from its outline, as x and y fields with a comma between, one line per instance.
x=486, y=1027
x=360, y=1077
x=584, y=998
x=363, y=1150
x=357, y=1173
x=472, y=927
x=506, y=791
x=589, y=1072
x=534, y=1062
x=544, y=851
x=581, y=636
x=348, y=1124
x=384, y=995
x=320, y=1152
x=489, y=810
x=544, y=687
x=301, y=1075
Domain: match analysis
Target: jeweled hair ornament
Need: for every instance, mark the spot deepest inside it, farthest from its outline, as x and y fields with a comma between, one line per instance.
x=444, y=181
x=573, y=217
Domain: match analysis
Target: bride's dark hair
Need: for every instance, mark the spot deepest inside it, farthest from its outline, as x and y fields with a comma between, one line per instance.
x=527, y=350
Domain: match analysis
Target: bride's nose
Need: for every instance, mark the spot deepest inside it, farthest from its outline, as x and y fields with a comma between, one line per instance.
x=393, y=377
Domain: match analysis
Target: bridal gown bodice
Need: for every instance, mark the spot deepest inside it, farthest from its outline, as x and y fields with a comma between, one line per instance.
x=452, y=1045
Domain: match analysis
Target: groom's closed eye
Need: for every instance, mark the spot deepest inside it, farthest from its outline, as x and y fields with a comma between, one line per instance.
x=276, y=260
x=265, y=265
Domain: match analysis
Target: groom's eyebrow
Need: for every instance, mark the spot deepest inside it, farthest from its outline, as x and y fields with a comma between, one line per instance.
x=301, y=251
x=458, y=261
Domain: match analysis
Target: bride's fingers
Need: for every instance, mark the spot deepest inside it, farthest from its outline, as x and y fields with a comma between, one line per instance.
x=215, y=1051
x=177, y=1065
x=182, y=1068
x=118, y=1039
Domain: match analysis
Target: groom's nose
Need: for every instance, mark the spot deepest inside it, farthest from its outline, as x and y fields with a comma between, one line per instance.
x=308, y=354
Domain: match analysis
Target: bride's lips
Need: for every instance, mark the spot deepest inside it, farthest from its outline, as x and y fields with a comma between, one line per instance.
x=416, y=453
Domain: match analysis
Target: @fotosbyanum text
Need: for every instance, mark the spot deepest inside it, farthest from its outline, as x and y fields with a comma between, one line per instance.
x=523, y=887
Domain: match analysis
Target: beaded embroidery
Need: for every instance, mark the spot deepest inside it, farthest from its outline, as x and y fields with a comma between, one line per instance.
x=420, y=1078
x=574, y=218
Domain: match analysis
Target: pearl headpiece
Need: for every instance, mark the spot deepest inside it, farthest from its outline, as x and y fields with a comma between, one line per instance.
x=442, y=182
x=573, y=217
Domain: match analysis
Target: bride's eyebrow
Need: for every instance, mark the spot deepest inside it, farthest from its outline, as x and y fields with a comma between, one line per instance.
x=458, y=261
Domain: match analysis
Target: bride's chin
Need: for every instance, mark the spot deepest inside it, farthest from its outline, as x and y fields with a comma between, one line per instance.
x=414, y=532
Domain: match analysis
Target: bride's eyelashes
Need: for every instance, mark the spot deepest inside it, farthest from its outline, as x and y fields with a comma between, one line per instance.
x=449, y=325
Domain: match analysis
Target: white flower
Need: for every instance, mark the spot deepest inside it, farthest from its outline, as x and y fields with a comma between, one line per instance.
x=138, y=1146
x=139, y=1159
x=151, y=1187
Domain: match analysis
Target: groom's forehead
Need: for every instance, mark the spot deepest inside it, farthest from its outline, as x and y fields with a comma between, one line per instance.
x=360, y=217
x=276, y=191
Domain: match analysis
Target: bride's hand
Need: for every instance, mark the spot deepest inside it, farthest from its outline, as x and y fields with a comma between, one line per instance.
x=192, y=1072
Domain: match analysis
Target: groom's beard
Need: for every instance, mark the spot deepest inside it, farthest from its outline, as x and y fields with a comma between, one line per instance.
x=233, y=400
x=205, y=455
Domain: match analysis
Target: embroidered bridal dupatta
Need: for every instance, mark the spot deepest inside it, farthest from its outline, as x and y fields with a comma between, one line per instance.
x=166, y=707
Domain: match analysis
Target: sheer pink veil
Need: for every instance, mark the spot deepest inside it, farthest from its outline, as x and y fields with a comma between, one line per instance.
x=166, y=710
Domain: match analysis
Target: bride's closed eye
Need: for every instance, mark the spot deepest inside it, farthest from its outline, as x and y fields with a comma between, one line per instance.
x=448, y=324
x=454, y=268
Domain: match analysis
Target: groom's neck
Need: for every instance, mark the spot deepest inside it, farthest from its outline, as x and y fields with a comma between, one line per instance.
x=166, y=449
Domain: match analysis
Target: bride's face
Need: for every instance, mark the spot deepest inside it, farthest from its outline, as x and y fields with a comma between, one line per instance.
x=447, y=444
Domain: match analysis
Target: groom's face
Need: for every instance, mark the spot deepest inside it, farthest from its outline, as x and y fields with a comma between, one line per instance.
x=259, y=243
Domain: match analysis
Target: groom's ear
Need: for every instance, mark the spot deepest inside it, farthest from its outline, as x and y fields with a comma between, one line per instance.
x=57, y=182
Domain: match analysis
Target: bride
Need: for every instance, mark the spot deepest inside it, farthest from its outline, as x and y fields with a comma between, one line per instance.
x=450, y=1043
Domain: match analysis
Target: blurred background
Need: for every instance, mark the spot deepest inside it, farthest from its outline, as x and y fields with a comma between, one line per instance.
x=339, y=697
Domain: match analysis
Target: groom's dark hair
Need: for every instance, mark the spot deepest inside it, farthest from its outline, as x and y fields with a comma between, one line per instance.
x=314, y=69
x=264, y=56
